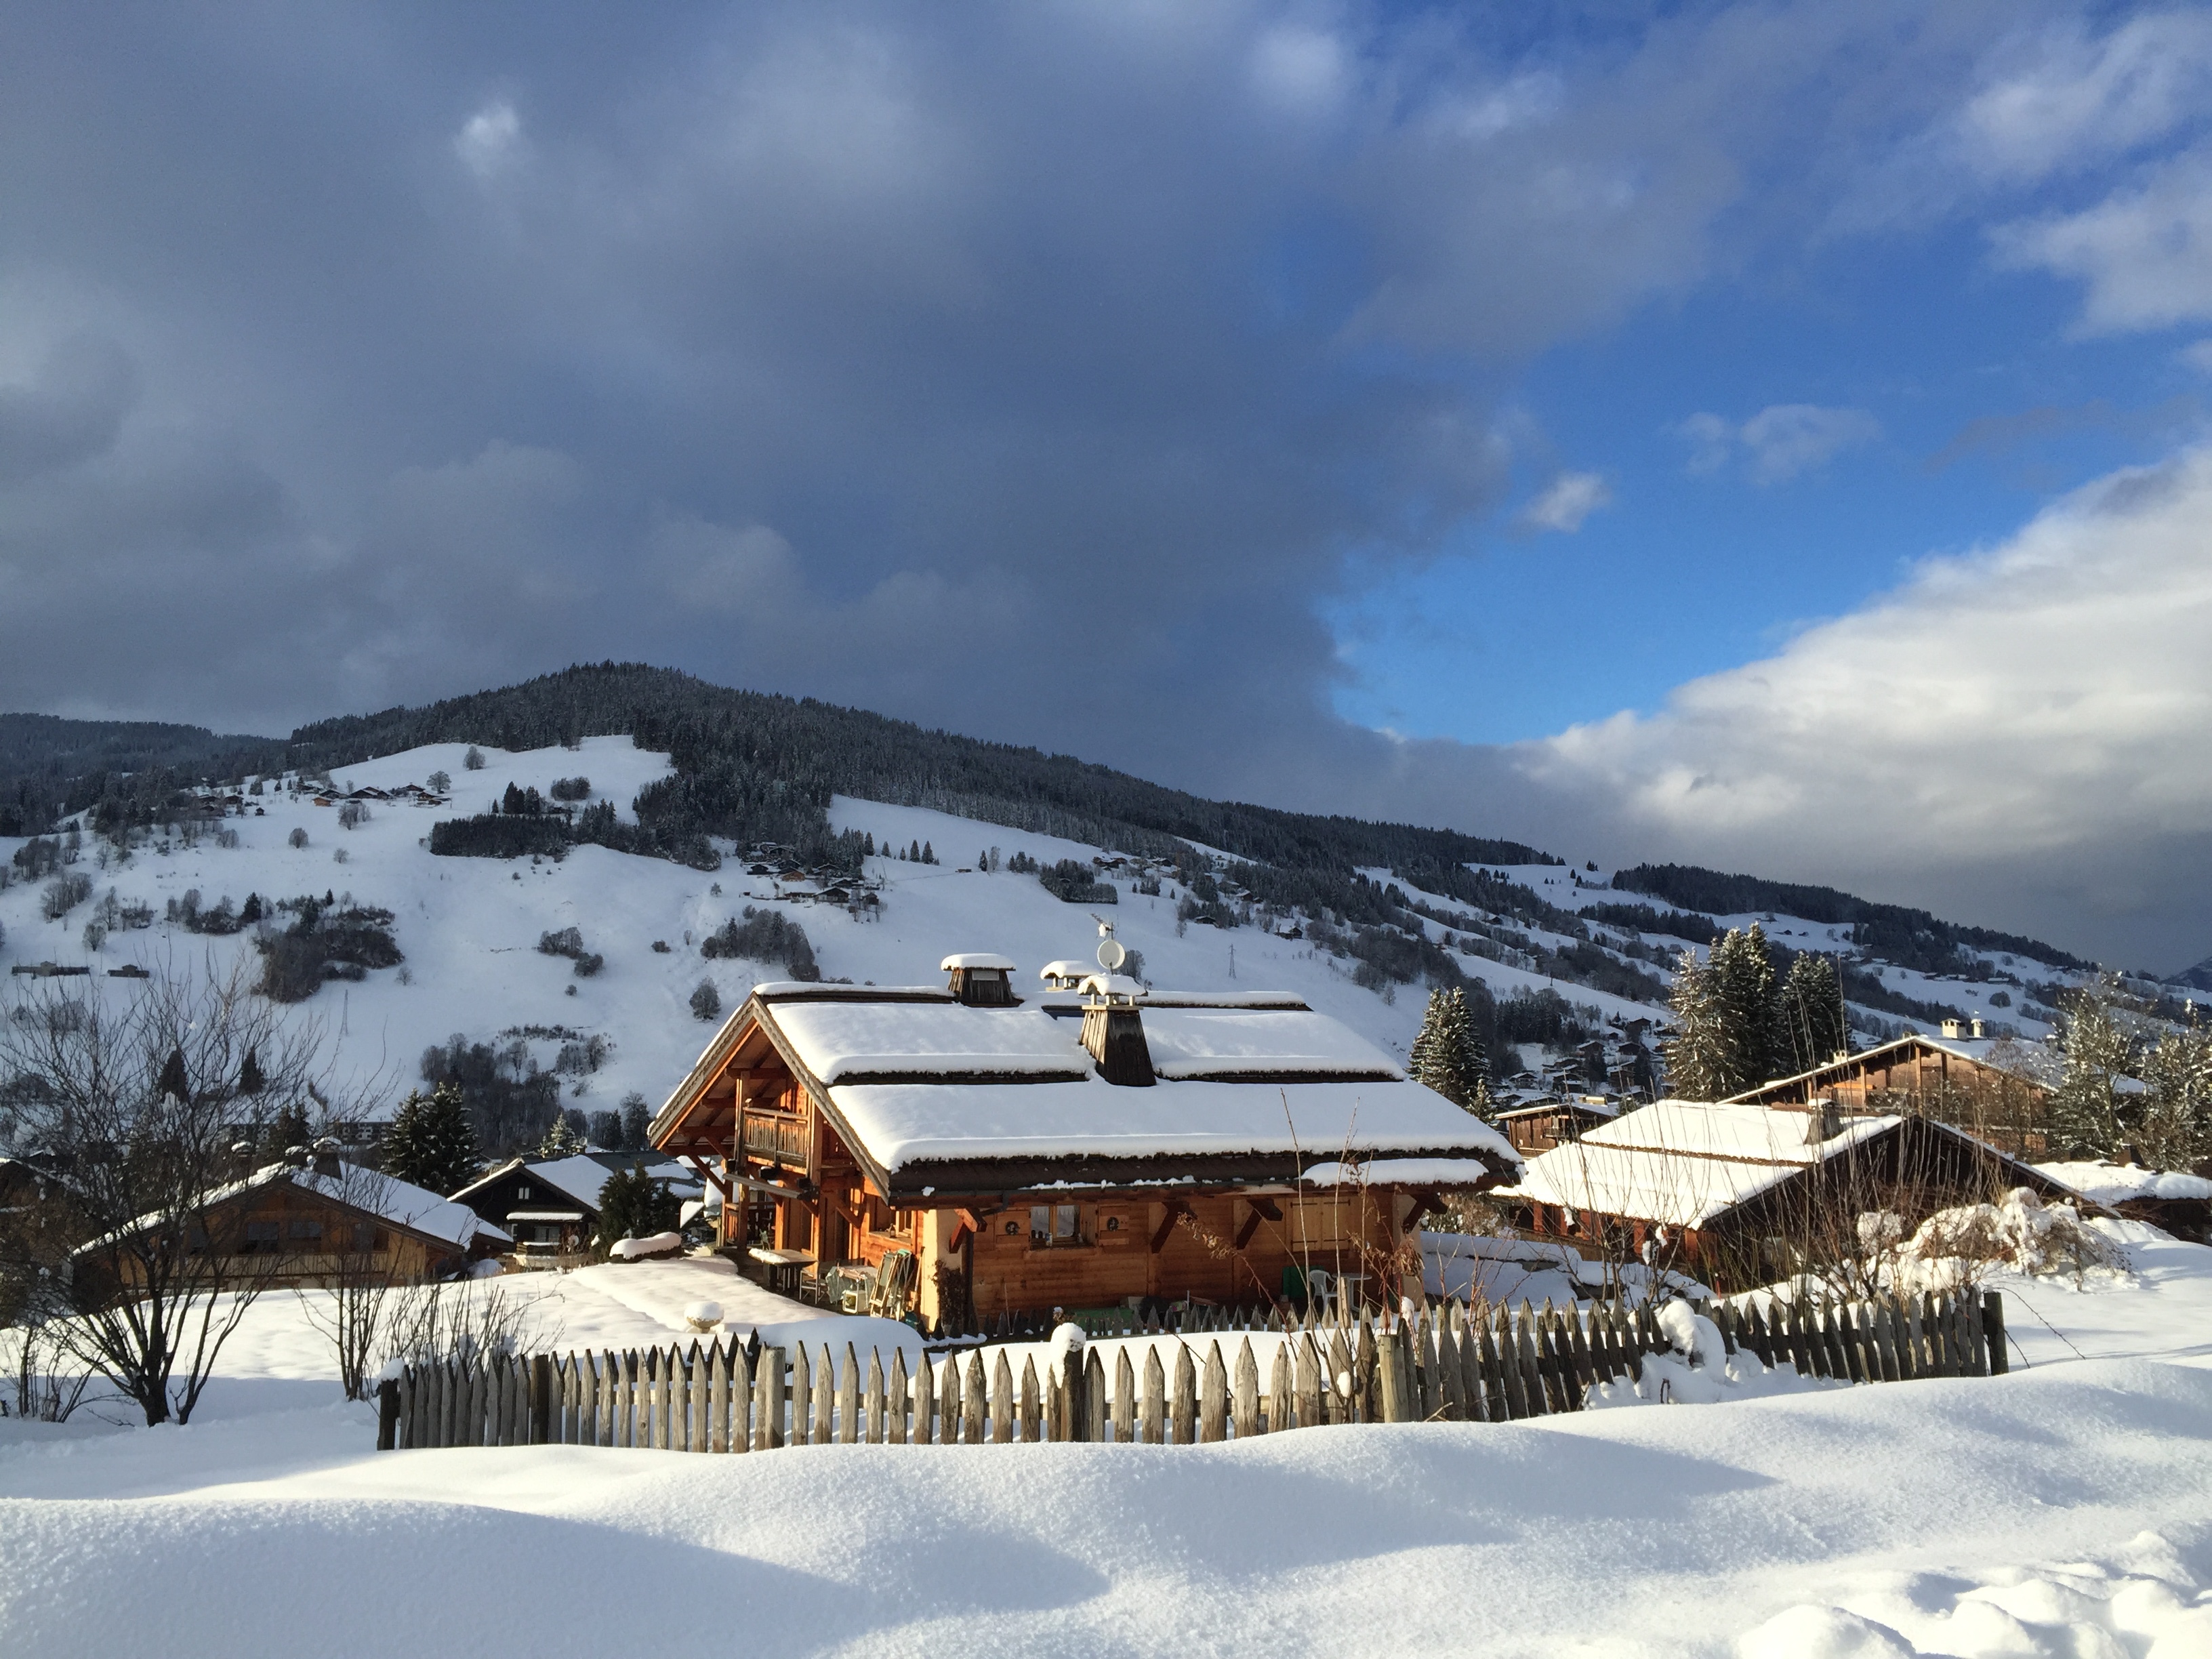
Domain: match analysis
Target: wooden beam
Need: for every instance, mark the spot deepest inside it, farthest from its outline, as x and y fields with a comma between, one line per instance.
x=967, y=1229
x=1176, y=1210
x=1251, y=1226
x=1268, y=1207
x=708, y=1170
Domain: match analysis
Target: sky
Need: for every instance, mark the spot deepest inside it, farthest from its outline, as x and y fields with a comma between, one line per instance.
x=1768, y=436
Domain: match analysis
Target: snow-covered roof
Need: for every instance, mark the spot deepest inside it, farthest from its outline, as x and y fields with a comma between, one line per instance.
x=1192, y=1043
x=903, y=1124
x=2101, y=1183
x=584, y=1178
x=837, y=1040
x=1400, y=1172
x=975, y=959
x=2033, y=1062
x=371, y=1192
x=1683, y=1162
x=1067, y=969
x=400, y=1202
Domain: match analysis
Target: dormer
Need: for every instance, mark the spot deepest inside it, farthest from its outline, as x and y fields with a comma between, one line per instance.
x=981, y=979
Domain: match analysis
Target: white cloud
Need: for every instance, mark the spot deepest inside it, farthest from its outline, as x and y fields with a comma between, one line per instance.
x=1570, y=498
x=2198, y=356
x=1303, y=69
x=2145, y=252
x=490, y=141
x=1777, y=443
x=2060, y=100
x=2049, y=696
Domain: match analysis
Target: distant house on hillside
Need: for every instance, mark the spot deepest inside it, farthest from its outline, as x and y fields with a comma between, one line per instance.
x=1998, y=1089
x=551, y=1206
x=1544, y=1124
x=308, y=1223
x=1734, y=1192
x=1074, y=1148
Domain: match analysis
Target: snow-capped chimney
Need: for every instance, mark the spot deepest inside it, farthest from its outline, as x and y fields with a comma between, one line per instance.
x=1822, y=1121
x=326, y=1157
x=1953, y=1030
x=1113, y=1032
x=981, y=979
x=1977, y=1024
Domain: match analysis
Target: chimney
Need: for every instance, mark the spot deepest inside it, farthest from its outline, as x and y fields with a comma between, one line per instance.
x=1822, y=1121
x=1113, y=1032
x=1953, y=1030
x=1977, y=1026
x=326, y=1157
x=981, y=979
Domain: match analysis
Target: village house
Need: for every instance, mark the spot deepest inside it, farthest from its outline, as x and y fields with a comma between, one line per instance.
x=1544, y=1124
x=1079, y=1148
x=1996, y=1088
x=551, y=1206
x=1741, y=1194
x=316, y=1221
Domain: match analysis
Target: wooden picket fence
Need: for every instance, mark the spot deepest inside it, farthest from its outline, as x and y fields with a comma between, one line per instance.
x=1457, y=1364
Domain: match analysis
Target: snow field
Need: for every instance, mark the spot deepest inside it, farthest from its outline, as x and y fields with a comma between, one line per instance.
x=1933, y=1509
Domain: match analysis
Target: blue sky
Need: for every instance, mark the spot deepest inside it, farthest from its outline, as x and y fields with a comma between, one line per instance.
x=1749, y=434
x=1985, y=405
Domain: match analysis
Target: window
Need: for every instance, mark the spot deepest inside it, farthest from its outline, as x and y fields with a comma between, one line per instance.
x=522, y=1191
x=305, y=1227
x=364, y=1237
x=262, y=1235
x=1053, y=1223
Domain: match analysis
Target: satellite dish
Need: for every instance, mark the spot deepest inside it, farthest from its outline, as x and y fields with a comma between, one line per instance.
x=1112, y=953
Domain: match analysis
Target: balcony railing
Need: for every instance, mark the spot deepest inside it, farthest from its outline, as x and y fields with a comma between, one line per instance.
x=778, y=1138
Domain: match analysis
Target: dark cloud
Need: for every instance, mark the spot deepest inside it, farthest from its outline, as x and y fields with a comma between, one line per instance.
x=1037, y=371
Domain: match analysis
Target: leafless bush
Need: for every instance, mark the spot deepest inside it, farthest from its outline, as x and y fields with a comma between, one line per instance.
x=352, y=815
x=298, y=838
x=138, y=1101
x=36, y=1391
x=467, y=1319
x=65, y=893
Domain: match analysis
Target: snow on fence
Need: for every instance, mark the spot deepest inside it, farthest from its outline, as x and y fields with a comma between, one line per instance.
x=1458, y=1366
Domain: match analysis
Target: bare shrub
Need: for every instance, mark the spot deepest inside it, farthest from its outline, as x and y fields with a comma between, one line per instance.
x=64, y=894
x=353, y=815
x=298, y=838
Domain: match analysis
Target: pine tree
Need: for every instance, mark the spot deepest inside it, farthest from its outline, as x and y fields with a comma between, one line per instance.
x=432, y=1142
x=173, y=1084
x=636, y=1116
x=633, y=1205
x=2173, y=1130
x=2086, y=1111
x=1698, y=1054
x=1810, y=1028
x=249, y=1079
x=287, y=1129
x=1447, y=1056
x=1745, y=975
x=561, y=1140
x=928, y=854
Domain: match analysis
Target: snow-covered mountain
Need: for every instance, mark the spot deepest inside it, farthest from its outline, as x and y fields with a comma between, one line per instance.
x=468, y=930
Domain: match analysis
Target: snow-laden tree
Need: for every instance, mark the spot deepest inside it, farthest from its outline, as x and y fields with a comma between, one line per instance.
x=1809, y=1026
x=2174, y=1131
x=432, y=1141
x=561, y=1139
x=1448, y=1054
x=1699, y=1055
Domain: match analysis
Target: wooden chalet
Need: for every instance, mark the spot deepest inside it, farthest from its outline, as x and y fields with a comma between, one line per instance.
x=1076, y=1148
x=1737, y=1193
x=1998, y=1089
x=1543, y=1124
x=311, y=1224
x=551, y=1206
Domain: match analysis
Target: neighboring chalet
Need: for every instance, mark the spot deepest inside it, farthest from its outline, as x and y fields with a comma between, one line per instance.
x=2175, y=1201
x=1077, y=1148
x=313, y=1222
x=1544, y=1124
x=1996, y=1088
x=551, y=1206
x=1737, y=1193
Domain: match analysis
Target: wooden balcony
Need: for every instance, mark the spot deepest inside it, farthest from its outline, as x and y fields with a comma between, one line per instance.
x=777, y=1137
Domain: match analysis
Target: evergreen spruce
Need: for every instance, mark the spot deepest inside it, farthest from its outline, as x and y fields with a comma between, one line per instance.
x=287, y=1129
x=636, y=1114
x=2089, y=1115
x=633, y=1205
x=1810, y=1027
x=432, y=1142
x=561, y=1139
x=1447, y=1056
x=249, y=1079
x=173, y=1084
x=1698, y=1054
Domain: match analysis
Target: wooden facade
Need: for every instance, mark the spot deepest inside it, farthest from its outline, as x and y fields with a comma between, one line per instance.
x=1550, y=1123
x=1911, y=1166
x=1965, y=1083
x=274, y=1230
x=998, y=1234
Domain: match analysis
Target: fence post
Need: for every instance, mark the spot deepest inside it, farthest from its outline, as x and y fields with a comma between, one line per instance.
x=1390, y=1354
x=541, y=1400
x=1993, y=1328
x=387, y=1414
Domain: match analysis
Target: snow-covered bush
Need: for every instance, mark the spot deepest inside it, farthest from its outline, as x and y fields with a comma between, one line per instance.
x=706, y=1001
x=1957, y=1247
x=298, y=838
x=764, y=936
